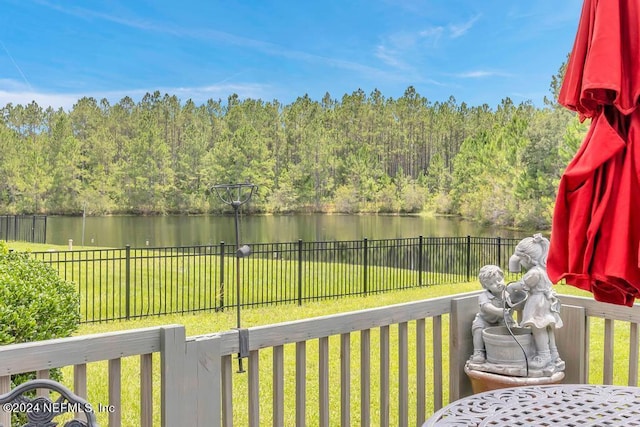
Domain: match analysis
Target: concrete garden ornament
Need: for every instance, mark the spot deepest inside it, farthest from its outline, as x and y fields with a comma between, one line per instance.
x=501, y=346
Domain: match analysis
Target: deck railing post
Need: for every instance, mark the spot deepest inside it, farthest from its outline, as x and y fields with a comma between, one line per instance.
x=172, y=375
x=299, y=272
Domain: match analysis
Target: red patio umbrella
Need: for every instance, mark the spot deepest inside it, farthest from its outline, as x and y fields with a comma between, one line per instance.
x=595, y=235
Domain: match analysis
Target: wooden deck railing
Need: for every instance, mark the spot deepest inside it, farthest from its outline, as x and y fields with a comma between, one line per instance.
x=392, y=365
x=390, y=327
x=597, y=342
x=79, y=351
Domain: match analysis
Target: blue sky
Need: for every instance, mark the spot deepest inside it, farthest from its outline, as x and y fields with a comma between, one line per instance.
x=55, y=51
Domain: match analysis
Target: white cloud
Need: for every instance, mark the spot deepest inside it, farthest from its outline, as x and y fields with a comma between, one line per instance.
x=12, y=85
x=431, y=34
x=403, y=50
x=477, y=74
x=458, y=30
x=44, y=100
x=390, y=57
x=17, y=94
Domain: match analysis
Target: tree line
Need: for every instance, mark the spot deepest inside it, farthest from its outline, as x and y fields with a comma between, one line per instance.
x=361, y=153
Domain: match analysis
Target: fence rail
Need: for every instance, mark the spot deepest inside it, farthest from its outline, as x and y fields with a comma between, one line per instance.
x=27, y=228
x=126, y=283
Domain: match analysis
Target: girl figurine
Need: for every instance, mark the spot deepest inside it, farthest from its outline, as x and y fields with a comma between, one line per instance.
x=541, y=309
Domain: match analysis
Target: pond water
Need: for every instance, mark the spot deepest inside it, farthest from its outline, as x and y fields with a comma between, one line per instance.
x=182, y=230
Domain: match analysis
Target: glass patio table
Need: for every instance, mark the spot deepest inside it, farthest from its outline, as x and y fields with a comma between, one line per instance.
x=544, y=405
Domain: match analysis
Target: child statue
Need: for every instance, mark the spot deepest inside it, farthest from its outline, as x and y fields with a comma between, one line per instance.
x=541, y=311
x=492, y=309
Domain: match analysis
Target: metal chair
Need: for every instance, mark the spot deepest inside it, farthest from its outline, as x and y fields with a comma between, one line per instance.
x=40, y=411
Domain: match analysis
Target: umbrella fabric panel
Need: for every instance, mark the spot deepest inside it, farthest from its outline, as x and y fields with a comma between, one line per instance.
x=595, y=237
x=604, y=65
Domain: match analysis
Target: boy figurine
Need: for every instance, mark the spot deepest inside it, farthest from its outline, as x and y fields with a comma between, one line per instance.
x=492, y=309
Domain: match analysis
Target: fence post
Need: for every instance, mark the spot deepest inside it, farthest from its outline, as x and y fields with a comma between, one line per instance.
x=499, y=251
x=33, y=229
x=45, y=230
x=299, y=272
x=127, y=267
x=420, y=254
x=468, y=258
x=222, y=275
x=172, y=375
x=365, y=261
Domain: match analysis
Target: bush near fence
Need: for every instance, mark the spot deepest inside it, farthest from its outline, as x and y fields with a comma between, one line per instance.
x=127, y=283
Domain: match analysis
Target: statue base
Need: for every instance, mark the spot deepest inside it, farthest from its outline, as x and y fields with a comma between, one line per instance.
x=485, y=381
x=517, y=370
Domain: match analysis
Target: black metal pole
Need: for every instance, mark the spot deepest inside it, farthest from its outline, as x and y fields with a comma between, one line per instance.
x=365, y=262
x=420, y=242
x=299, y=272
x=236, y=206
x=127, y=268
x=243, y=193
x=222, y=276
x=468, y=258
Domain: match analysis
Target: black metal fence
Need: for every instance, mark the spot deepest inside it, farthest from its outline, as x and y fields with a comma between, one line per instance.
x=27, y=228
x=136, y=282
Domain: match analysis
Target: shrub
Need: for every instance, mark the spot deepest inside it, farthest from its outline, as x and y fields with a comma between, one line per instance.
x=412, y=199
x=35, y=304
x=347, y=199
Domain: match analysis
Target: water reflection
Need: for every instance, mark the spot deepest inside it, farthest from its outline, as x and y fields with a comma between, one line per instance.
x=117, y=231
